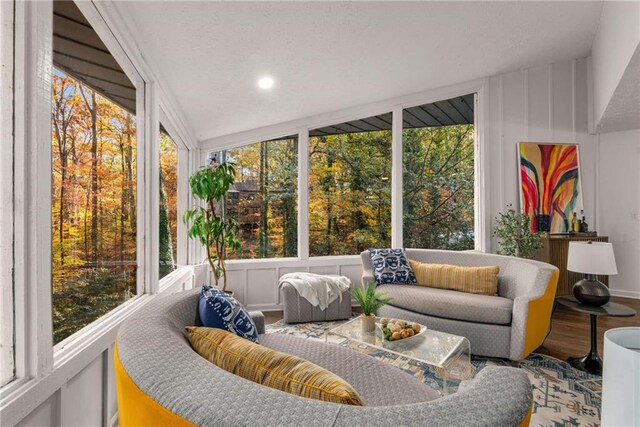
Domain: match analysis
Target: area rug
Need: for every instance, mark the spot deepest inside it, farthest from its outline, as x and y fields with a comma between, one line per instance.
x=563, y=396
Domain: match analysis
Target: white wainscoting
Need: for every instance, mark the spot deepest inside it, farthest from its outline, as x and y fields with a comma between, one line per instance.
x=80, y=391
x=255, y=282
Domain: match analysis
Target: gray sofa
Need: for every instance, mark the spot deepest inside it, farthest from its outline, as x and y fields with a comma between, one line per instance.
x=159, y=376
x=509, y=325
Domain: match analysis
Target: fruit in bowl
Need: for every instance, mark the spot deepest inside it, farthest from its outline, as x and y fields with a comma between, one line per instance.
x=394, y=330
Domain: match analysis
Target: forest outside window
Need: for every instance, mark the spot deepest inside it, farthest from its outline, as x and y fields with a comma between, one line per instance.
x=264, y=198
x=438, y=175
x=350, y=186
x=94, y=233
x=168, y=233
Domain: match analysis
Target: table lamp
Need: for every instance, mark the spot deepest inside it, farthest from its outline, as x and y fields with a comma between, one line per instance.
x=591, y=258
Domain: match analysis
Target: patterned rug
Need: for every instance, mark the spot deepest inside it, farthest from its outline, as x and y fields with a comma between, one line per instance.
x=563, y=396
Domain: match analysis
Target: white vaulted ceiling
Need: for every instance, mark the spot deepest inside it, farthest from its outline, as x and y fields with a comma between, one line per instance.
x=326, y=56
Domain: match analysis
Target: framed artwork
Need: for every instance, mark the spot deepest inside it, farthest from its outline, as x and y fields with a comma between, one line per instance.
x=550, y=184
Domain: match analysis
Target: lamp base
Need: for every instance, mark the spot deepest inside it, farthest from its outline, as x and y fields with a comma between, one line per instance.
x=590, y=291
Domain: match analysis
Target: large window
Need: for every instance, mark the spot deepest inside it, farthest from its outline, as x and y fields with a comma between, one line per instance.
x=264, y=198
x=168, y=234
x=438, y=180
x=94, y=236
x=350, y=187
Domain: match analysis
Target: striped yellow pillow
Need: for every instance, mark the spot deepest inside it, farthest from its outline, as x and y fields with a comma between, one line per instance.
x=270, y=368
x=475, y=280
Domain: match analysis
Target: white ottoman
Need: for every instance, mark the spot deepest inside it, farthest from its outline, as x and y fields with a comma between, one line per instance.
x=297, y=309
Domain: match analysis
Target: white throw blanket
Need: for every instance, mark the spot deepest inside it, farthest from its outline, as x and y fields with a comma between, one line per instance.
x=319, y=289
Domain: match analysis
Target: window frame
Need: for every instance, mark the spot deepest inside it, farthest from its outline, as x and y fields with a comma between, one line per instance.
x=144, y=116
x=391, y=162
x=301, y=184
x=482, y=220
x=481, y=228
x=6, y=192
x=35, y=356
x=183, y=171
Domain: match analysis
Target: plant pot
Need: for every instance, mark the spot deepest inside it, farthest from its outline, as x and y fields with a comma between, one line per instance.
x=368, y=322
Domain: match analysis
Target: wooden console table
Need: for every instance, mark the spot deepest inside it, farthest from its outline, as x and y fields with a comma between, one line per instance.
x=555, y=249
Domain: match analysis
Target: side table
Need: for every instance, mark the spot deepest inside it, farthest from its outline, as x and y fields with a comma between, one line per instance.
x=592, y=362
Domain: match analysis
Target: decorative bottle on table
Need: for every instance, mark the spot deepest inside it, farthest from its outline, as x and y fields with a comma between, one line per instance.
x=575, y=223
x=584, y=227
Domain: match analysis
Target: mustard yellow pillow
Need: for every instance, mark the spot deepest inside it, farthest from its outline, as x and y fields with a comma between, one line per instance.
x=474, y=280
x=270, y=368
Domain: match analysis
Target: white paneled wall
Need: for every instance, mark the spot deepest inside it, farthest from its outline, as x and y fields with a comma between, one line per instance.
x=87, y=399
x=541, y=104
x=619, y=206
x=255, y=283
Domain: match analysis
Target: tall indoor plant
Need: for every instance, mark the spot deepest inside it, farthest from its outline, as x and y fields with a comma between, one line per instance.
x=513, y=230
x=208, y=224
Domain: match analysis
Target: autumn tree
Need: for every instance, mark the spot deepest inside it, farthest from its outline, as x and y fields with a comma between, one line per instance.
x=93, y=205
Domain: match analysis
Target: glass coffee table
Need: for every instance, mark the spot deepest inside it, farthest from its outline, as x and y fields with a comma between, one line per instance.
x=449, y=354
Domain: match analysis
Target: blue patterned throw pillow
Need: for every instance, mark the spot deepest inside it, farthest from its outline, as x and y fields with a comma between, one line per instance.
x=391, y=266
x=219, y=310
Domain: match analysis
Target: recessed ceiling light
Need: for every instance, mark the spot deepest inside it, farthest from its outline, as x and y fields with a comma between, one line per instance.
x=265, y=83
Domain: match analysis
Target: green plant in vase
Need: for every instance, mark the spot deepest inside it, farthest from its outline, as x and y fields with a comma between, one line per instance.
x=513, y=230
x=207, y=223
x=370, y=301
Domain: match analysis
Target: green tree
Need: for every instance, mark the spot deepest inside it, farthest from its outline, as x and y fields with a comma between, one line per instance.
x=438, y=187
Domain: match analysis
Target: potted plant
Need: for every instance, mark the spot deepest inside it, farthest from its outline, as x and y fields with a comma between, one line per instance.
x=370, y=302
x=208, y=224
x=513, y=230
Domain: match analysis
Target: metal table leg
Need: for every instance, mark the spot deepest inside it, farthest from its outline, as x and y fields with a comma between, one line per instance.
x=592, y=362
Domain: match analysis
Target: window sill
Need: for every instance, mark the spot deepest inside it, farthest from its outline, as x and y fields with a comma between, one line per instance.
x=314, y=259
x=73, y=354
x=105, y=325
x=176, y=277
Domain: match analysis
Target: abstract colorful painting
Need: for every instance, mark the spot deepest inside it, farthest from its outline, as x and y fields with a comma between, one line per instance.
x=550, y=185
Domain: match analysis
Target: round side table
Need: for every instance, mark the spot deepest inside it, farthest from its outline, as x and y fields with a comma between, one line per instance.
x=592, y=362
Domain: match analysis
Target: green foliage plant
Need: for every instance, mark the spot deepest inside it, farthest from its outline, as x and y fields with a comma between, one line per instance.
x=370, y=300
x=215, y=232
x=513, y=230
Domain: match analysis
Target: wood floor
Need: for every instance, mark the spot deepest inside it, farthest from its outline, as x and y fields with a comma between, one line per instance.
x=570, y=333
x=570, y=330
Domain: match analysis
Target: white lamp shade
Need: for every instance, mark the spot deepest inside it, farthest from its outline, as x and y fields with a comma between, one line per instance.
x=591, y=258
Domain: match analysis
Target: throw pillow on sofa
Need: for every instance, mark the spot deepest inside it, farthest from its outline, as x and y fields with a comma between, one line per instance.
x=271, y=368
x=475, y=280
x=391, y=266
x=222, y=311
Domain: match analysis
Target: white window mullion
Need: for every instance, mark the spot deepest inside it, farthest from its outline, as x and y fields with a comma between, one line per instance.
x=7, y=325
x=198, y=159
x=32, y=269
x=184, y=172
x=186, y=166
x=151, y=190
x=303, y=194
x=482, y=177
x=396, y=179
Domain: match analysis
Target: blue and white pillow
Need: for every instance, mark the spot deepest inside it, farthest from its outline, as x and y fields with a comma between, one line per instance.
x=391, y=266
x=222, y=311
